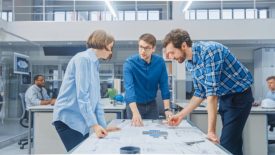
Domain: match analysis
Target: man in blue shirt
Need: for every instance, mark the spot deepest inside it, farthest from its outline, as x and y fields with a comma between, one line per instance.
x=217, y=74
x=78, y=107
x=37, y=94
x=144, y=73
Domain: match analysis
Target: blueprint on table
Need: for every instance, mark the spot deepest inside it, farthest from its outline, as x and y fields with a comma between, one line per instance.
x=154, y=137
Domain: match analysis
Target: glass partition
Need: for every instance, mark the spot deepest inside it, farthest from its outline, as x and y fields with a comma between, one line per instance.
x=12, y=83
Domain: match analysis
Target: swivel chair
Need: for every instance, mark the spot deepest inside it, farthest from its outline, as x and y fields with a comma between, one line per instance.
x=23, y=120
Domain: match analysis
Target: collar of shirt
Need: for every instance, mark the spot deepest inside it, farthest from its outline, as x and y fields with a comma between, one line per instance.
x=143, y=61
x=93, y=57
x=192, y=63
x=37, y=88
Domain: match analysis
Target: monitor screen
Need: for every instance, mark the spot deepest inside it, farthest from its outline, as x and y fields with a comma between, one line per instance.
x=21, y=64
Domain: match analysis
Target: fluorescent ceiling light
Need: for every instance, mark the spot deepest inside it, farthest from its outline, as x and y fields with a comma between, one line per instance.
x=187, y=5
x=110, y=7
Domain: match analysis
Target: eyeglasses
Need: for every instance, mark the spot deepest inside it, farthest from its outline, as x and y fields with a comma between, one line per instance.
x=146, y=49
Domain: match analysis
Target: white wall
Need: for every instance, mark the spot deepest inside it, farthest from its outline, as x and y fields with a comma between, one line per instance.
x=244, y=54
x=130, y=30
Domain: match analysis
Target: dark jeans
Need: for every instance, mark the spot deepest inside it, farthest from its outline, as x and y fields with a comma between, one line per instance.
x=234, y=110
x=69, y=137
x=147, y=110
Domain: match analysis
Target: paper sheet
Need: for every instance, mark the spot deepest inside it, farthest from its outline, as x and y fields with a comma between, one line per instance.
x=169, y=140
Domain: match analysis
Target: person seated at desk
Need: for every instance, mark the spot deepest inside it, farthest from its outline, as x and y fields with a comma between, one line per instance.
x=37, y=94
x=271, y=95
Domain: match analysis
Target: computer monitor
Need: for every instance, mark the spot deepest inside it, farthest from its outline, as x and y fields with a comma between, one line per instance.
x=21, y=64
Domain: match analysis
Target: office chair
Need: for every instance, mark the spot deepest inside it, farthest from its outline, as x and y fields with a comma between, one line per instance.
x=23, y=120
x=271, y=123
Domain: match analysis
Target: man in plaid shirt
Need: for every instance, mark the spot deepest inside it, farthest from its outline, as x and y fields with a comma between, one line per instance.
x=219, y=77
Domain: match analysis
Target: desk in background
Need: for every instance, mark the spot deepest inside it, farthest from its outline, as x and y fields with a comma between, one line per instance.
x=153, y=138
x=45, y=138
x=255, y=133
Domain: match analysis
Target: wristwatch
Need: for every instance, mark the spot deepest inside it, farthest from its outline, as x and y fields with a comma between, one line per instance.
x=167, y=109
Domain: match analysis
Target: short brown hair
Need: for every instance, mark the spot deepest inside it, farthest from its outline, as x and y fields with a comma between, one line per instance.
x=177, y=37
x=99, y=39
x=270, y=78
x=148, y=38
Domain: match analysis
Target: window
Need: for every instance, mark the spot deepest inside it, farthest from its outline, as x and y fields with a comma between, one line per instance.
x=214, y=14
x=130, y=15
x=153, y=15
x=187, y=15
x=192, y=14
x=263, y=14
x=59, y=16
x=49, y=16
x=5, y=16
x=95, y=16
x=250, y=13
x=106, y=15
x=227, y=14
x=70, y=16
x=10, y=16
x=82, y=16
x=142, y=15
x=120, y=15
x=238, y=14
x=201, y=14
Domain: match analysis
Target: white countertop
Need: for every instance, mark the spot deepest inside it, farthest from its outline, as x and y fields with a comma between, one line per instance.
x=254, y=109
x=105, y=101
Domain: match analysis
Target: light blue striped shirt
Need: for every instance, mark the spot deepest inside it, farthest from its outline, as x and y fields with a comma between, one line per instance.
x=34, y=95
x=271, y=95
x=78, y=103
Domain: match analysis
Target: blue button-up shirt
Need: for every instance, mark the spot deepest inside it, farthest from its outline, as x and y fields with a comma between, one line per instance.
x=216, y=71
x=78, y=103
x=34, y=95
x=142, y=80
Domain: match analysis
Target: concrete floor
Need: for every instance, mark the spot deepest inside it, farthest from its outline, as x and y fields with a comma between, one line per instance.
x=11, y=131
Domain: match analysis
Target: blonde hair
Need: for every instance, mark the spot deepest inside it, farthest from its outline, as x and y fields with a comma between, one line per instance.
x=99, y=39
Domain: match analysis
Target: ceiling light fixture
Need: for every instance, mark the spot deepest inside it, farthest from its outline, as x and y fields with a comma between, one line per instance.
x=187, y=5
x=110, y=7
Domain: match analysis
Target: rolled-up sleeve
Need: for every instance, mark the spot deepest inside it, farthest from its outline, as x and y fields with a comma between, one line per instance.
x=100, y=115
x=213, y=63
x=130, y=95
x=199, y=89
x=164, y=83
x=82, y=79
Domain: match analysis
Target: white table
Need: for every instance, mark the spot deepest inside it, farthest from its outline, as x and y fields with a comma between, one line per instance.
x=160, y=139
x=255, y=134
x=45, y=138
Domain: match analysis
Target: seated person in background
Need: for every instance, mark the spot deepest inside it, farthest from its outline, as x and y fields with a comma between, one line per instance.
x=271, y=95
x=37, y=94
